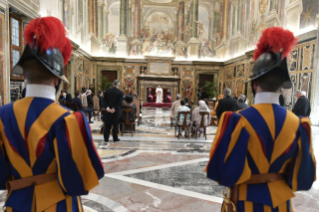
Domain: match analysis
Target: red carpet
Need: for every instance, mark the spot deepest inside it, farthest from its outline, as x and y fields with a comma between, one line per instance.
x=153, y=104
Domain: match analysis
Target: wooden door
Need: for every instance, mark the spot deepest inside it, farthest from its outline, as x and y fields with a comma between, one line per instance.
x=109, y=75
x=205, y=77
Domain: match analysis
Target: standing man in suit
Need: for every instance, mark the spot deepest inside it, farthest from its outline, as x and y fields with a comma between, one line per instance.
x=113, y=100
x=302, y=106
x=226, y=104
x=90, y=104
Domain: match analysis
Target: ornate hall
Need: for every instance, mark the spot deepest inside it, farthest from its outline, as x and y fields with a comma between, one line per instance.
x=165, y=55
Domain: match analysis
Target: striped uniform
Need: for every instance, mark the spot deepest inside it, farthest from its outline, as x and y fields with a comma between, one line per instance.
x=265, y=138
x=38, y=136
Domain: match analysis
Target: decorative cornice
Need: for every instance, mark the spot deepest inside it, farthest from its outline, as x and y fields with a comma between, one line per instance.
x=24, y=8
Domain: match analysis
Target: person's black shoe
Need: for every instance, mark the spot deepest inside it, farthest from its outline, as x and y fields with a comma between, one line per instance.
x=116, y=140
x=91, y=122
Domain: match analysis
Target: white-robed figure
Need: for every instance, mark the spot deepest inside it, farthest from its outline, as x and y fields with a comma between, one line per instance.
x=159, y=94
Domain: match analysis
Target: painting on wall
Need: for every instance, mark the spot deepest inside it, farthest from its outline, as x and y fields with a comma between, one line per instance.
x=157, y=38
x=229, y=73
x=305, y=82
x=293, y=60
x=87, y=66
x=307, y=57
x=308, y=15
x=79, y=64
x=187, y=88
x=240, y=87
x=289, y=93
x=228, y=85
x=240, y=71
x=188, y=73
x=129, y=82
x=129, y=71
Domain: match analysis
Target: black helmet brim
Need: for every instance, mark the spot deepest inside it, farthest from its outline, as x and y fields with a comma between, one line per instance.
x=51, y=59
x=268, y=62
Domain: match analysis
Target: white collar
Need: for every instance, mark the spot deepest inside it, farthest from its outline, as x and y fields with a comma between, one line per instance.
x=267, y=98
x=42, y=91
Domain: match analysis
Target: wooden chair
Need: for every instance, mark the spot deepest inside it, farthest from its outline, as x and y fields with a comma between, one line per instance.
x=138, y=115
x=127, y=122
x=184, y=125
x=214, y=121
x=96, y=106
x=202, y=125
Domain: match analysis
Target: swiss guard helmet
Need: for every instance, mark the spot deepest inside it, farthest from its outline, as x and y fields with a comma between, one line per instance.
x=271, y=54
x=46, y=42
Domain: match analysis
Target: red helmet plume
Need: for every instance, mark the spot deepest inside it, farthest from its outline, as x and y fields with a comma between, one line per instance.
x=49, y=33
x=275, y=39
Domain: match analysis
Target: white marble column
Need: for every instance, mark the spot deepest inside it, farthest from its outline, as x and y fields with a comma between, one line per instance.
x=272, y=19
x=294, y=10
x=106, y=20
x=100, y=21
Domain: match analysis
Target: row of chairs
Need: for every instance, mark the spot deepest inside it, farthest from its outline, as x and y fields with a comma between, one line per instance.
x=190, y=128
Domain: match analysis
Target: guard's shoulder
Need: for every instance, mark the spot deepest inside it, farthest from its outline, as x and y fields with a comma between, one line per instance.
x=293, y=117
x=5, y=108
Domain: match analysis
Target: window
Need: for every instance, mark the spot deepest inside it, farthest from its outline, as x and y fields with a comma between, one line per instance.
x=15, y=43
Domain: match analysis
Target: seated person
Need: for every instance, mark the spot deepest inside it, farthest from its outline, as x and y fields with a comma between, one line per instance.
x=128, y=103
x=135, y=97
x=197, y=118
x=213, y=113
x=187, y=103
x=150, y=96
x=62, y=97
x=175, y=105
x=78, y=102
x=168, y=97
x=182, y=108
x=68, y=100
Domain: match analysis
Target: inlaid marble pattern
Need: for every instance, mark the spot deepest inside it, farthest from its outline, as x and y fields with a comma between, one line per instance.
x=189, y=177
x=95, y=205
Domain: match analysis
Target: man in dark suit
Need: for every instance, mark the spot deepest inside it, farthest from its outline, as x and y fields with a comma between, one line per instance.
x=101, y=100
x=241, y=103
x=302, y=106
x=113, y=100
x=226, y=104
x=77, y=100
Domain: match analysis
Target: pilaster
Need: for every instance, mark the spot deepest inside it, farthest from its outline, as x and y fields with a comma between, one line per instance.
x=221, y=49
x=294, y=10
x=193, y=47
x=100, y=21
x=317, y=20
x=272, y=19
x=194, y=17
x=106, y=21
x=315, y=98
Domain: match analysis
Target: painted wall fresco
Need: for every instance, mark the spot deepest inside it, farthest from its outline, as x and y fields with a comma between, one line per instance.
x=235, y=77
x=308, y=15
x=302, y=67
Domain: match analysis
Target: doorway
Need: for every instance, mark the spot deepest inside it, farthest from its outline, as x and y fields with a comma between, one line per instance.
x=108, y=78
x=203, y=78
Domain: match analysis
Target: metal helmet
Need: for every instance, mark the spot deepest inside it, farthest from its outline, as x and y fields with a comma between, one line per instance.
x=271, y=54
x=46, y=42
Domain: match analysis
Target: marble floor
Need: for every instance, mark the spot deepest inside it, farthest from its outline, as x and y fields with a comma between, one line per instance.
x=153, y=171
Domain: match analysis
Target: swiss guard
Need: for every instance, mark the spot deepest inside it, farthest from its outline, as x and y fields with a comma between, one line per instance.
x=47, y=155
x=264, y=153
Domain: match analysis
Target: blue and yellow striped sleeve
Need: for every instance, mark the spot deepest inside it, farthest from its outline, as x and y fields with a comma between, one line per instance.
x=4, y=169
x=303, y=172
x=79, y=166
x=226, y=166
